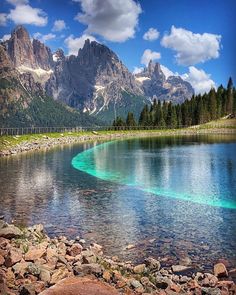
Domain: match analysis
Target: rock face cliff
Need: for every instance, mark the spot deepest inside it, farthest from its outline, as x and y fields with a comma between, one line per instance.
x=155, y=84
x=24, y=103
x=95, y=81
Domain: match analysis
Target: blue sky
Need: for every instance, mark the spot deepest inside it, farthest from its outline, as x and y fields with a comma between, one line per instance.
x=194, y=39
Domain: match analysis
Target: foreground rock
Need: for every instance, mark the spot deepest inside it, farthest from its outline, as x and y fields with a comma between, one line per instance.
x=9, y=231
x=32, y=263
x=81, y=286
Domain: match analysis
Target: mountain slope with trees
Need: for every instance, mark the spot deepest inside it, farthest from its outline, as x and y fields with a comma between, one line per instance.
x=198, y=110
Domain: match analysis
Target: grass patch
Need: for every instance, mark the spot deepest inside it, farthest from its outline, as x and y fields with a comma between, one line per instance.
x=7, y=142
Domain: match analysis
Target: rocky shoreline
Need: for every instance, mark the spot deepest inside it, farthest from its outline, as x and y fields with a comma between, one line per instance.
x=46, y=142
x=33, y=263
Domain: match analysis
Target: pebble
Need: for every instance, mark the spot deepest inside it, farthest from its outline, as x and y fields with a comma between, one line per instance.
x=49, y=262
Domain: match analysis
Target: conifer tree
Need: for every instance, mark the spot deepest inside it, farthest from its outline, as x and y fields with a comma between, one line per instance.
x=212, y=104
x=130, y=120
x=229, y=102
x=144, y=117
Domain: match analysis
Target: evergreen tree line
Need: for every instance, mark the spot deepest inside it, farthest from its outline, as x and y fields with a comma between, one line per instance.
x=198, y=110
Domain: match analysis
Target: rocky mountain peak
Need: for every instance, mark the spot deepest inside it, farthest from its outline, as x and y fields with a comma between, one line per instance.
x=43, y=55
x=153, y=71
x=155, y=84
x=20, y=33
x=58, y=55
x=96, y=53
x=6, y=66
x=20, y=49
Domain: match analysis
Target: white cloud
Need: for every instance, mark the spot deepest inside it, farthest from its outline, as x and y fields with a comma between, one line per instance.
x=149, y=55
x=199, y=79
x=192, y=48
x=3, y=19
x=167, y=72
x=74, y=44
x=59, y=25
x=25, y=14
x=113, y=20
x=18, y=2
x=151, y=35
x=44, y=38
x=137, y=70
x=5, y=37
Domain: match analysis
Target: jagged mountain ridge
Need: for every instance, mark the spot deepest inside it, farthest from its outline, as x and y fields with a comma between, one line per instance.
x=155, y=84
x=95, y=81
x=24, y=103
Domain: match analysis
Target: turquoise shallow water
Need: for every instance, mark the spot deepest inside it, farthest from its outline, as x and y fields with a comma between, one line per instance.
x=172, y=197
x=203, y=174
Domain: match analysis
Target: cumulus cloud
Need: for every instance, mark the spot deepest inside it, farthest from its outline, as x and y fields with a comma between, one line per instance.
x=23, y=13
x=149, y=55
x=151, y=35
x=44, y=38
x=199, y=79
x=3, y=19
x=137, y=70
x=192, y=48
x=17, y=2
x=74, y=44
x=59, y=25
x=5, y=37
x=167, y=72
x=113, y=20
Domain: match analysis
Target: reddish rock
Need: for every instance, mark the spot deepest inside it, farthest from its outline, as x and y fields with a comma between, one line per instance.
x=107, y=276
x=97, y=249
x=220, y=270
x=2, y=260
x=139, y=268
x=153, y=264
x=35, y=253
x=75, y=250
x=3, y=252
x=193, y=284
x=60, y=274
x=10, y=231
x=175, y=288
x=80, y=286
x=14, y=256
x=39, y=286
x=10, y=277
x=92, y=268
x=51, y=255
x=20, y=268
x=117, y=275
x=227, y=284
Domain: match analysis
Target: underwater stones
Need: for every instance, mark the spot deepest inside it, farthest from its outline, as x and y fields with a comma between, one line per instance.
x=54, y=265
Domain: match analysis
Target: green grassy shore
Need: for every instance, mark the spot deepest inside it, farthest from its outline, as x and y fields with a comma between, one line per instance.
x=219, y=126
